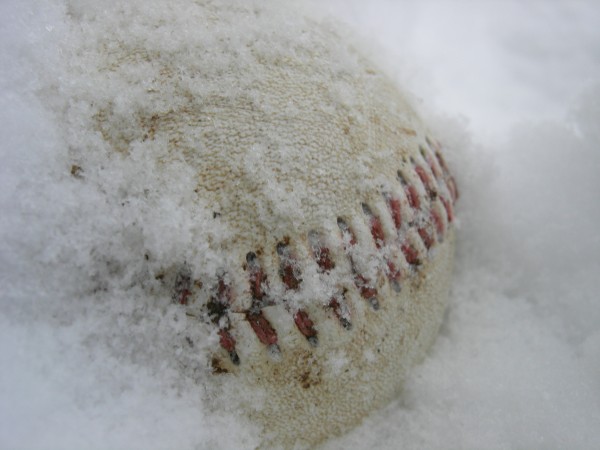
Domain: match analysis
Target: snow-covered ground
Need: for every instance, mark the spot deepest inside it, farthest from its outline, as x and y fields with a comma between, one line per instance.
x=512, y=86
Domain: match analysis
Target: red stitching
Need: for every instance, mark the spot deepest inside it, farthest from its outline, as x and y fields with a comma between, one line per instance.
x=440, y=227
x=340, y=312
x=452, y=188
x=305, y=326
x=429, y=223
x=290, y=275
x=427, y=182
x=394, y=206
x=183, y=286
x=218, y=308
x=426, y=237
x=442, y=162
x=257, y=277
x=375, y=226
x=364, y=285
x=321, y=253
x=413, y=197
x=258, y=281
x=322, y=256
x=394, y=275
x=226, y=340
x=410, y=253
x=262, y=328
x=448, y=208
x=377, y=233
x=436, y=170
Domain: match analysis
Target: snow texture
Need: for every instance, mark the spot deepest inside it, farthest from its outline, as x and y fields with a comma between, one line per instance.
x=512, y=87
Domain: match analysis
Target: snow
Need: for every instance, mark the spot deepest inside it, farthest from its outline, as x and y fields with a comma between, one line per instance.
x=513, y=87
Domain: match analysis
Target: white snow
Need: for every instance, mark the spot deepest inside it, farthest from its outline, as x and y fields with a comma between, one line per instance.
x=513, y=87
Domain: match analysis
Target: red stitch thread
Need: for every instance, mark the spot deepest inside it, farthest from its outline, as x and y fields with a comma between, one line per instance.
x=414, y=200
x=223, y=291
x=452, y=188
x=322, y=256
x=306, y=326
x=410, y=253
x=375, y=226
x=435, y=168
x=290, y=277
x=366, y=289
x=448, y=208
x=395, y=209
x=339, y=312
x=324, y=260
x=218, y=308
x=287, y=271
x=427, y=182
x=413, y=196
x=183, y=296
x=256, y=276
x=439, y=223
x=426, y=237
x=394, y=274
x=262, y=328
x=378, y=236
x=442, y=162
x=321, y=253
x=226, y=340
x=431, y=162
x=183, y=286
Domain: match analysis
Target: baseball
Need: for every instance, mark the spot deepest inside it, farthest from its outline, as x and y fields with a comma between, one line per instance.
x=324, y=261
